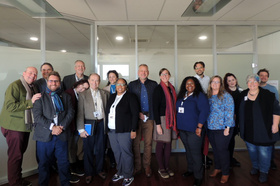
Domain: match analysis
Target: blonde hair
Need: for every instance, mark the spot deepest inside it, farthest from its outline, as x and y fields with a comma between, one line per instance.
x=221, y=89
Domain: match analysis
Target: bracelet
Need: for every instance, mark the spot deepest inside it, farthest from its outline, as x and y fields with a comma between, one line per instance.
x=227, y=127
x=199, y=127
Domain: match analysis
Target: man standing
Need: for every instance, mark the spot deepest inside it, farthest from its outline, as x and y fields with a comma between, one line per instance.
x=199, y=68
x=68, y=81
x=91, y=106
x=264, y=75
x=41, y=83
x=16, y=121
x=143, y=88
x=53, y=114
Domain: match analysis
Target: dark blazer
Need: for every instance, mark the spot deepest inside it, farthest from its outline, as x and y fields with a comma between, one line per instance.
x=135, y=87
x=68, y=81
x=44, y=111
x=127, y=112
x=264, y=107
x=41, y=84
x=73, y=126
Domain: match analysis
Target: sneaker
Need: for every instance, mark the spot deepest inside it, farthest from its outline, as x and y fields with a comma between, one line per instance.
x=263, y=177
x=170, y=172
x=254, y=171
x=77, y=172
x=127, y=181
x=117, y=177
x=163, y=173
x=74, y=179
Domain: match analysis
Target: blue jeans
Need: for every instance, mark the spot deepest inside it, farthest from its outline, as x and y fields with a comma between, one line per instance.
x=260, y=156
x=46, y=151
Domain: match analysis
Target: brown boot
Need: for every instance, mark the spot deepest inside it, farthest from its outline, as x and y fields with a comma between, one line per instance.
x=224, y=178
x=215, y=172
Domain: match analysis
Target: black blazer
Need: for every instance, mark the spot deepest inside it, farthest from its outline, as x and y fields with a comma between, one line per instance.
x=127, y=112
x=68, y=81
x=43, y=112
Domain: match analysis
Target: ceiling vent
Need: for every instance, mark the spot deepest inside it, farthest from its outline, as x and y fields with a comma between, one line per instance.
x=140, y=40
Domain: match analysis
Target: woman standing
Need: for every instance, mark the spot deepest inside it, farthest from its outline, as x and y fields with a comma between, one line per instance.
x=220, y=125
x=112, y=76
x=259, y=118
x=121, y=123
x=232, y=87
x=192, y=111
x=164, y=100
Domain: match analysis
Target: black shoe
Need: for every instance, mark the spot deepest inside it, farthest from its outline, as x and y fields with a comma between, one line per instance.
x=273, y=166
x=197, y=182
x=186, y=174
x=74, y=179
x=77, y=171
x=235, y=163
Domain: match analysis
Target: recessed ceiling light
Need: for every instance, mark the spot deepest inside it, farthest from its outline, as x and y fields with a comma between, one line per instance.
x=202, y=37
x=63, y=51
x=119, y=38
x=34, y=38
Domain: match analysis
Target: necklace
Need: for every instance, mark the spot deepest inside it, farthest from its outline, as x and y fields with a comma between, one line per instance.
x=253, y=94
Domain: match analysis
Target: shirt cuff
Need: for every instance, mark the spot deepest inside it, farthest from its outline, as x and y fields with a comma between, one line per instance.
x=52, y=124
x=81, y=130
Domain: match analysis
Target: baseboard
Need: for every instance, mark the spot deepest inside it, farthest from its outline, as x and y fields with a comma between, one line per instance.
x=4, y=180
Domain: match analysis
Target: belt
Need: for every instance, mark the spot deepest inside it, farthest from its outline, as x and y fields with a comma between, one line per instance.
x=99, y=120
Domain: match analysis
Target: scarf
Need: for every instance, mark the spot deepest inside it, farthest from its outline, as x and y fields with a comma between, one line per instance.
x=28, y=115
x=170, y=111
x=56, y=99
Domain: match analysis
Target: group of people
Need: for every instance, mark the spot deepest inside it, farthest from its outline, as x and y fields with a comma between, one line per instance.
x=76, y=121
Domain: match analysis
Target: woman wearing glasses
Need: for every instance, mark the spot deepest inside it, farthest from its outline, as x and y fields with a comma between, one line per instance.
x=220, y=125
x=121, y=123
x=258, y=119
x=164, y=107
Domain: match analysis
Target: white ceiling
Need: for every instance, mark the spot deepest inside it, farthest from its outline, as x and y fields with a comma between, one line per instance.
x=16, y=27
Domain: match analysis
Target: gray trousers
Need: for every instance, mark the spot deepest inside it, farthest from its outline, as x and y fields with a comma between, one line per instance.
x=121, y=144
x=192, y=145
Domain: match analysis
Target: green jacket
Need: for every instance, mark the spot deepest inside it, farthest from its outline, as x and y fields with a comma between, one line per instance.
x=13, y=110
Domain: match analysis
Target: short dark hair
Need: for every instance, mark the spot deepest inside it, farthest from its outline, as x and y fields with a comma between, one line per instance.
x=199, y=62
x=80, y=82
x=263, y=70
x=54, y=73
x=46, y=63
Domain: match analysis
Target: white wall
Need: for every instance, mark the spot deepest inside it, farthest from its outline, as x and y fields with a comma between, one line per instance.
x=13, y=61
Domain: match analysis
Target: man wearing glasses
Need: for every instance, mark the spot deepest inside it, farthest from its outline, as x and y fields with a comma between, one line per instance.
x=53, y=114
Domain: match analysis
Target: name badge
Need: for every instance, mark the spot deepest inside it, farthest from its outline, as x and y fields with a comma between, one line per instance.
x=96, y=114
x=181, y=110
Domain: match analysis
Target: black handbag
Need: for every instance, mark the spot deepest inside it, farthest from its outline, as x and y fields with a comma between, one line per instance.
x=90, y=126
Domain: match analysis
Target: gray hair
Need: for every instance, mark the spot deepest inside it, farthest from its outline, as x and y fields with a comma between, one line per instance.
x=253, y=76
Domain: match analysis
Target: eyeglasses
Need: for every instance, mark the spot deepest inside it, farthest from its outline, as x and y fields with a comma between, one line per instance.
x=121, y=84
x=216, y=82
x=198, y=68
x=164, y=74
x=251, y=82
x=53, y=81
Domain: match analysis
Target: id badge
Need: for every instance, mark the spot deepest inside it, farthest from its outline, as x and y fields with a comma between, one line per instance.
x=181, y=110
x=96, y=114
